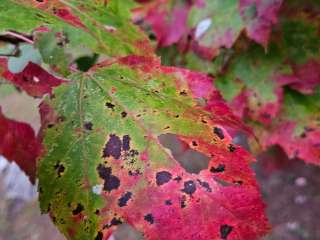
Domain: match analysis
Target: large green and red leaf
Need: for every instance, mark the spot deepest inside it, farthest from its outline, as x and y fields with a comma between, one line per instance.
x=105, y=164
x=90, y=24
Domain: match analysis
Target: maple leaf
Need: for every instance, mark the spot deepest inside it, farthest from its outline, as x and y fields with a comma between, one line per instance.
x=219, y=23
x=168, y=19
x=265, y=81
x=297, y=132
x=33, y=79
x=105, y=163
x=18, y=143
x=212, y=25
x=80, y=22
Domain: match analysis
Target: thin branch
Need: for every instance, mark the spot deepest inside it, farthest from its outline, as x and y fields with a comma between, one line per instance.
x=19, y=36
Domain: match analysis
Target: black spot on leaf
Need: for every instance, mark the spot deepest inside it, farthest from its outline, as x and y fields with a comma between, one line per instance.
x=124, y=114
x=78, y=209
x=231, y=148
x=59, y=169
x=183, y=202
x=126, y=142
x=110, y=105
x=163, y=177
x=104, y=172
x=189, y=187
x=178, y=178
x=124, y=199
x=149, y=218
x=205, y=185
x=219, y=168
x=111, y=183
x=114, y=222
x=168, y=202
x=218, y=132
x=183, y=93
x=88, y=125
x=225, y=230
x=113, y=147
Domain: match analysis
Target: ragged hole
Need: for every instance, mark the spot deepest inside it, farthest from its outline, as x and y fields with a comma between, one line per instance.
x=191, y=160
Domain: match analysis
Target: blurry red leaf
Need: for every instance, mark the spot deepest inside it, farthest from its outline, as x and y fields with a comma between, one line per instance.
x=18, y=143
x=33, y=79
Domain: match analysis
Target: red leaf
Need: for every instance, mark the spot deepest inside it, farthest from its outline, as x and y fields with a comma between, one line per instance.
x=18, y=143
x=168, y=28
x=259, y=27
x=33, y=79
x=305, y=78
x=306, y=147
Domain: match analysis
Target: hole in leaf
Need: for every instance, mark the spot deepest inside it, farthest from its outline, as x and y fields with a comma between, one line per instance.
x=125, y=231
x=191, y=160
x=84, y=63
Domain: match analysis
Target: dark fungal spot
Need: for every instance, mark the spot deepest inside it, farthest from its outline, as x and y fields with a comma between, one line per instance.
x=204, y=121
x=114, y=222
x=205, y=185
x=111, y=183
x=183, y=202
x=149, y=218
x=113, y=147
x=78, y=209
x=163, y=177
x=183, y=93
x=124, y=114
x=104, y=172
x=97, y=212
x=218, y=132
x=239, y=182
x=189, y=187
x=218, y=169
x=134, y=172
x=59, y=169
x=99, y=236
x=126, y=142
x=61, y=118
x=110, y=105
x=194, y=143
x=231, y=148
x=225, y=230
x=88, y=125
x=50, y=125
x=133, y=153
x=178, y=179
x=124, y=199
x=168, y=202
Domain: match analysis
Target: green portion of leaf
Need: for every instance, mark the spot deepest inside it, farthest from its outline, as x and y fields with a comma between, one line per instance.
x=225, y=22
x=108, y=34
x=52, y=51
x=306, y=110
